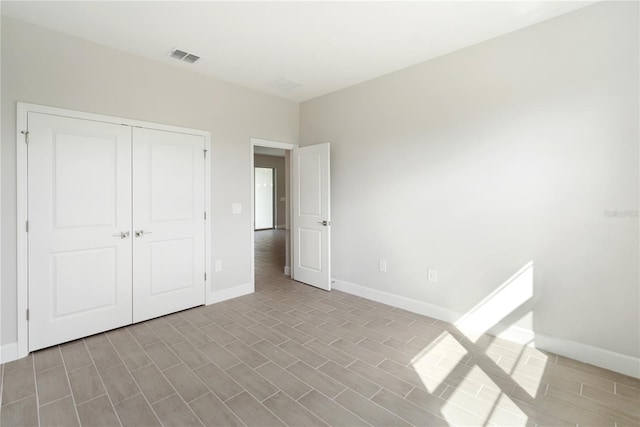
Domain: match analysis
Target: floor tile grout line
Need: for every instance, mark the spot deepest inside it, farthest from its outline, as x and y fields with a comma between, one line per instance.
x=397, y=414
x=20, y=400
x=35, y=386
x=73, y=398
x=93, y=363
x=166, y=379
x=347, y=409
x=135, y=381
x=388, y=373
x=272, y=361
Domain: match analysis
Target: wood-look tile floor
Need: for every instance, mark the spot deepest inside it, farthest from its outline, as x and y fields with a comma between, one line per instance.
x=290, y=354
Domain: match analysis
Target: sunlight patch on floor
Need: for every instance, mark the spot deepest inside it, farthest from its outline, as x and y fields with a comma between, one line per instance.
x=445, y=348
x=526, y=366
x=490, y=402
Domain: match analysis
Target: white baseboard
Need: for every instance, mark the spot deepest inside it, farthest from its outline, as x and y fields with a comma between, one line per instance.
x=9, y=352
x=405, y=303
x=606, y=359
x=613, y=361
x=225, y=294
x=287, y=270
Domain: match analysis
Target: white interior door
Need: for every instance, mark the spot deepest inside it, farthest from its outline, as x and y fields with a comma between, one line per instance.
x=169, y=224
x=312, y=216
x=79, y=227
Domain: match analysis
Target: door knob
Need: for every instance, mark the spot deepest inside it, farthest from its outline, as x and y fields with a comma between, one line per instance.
x=122, y=234
x=141, y=233
x=325, y=223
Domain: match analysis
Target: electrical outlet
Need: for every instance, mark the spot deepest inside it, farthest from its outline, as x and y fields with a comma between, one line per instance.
x=218, y=266
x=382, y=265
x=432, y=275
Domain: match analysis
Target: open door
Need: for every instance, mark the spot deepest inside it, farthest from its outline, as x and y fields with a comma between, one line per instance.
x=311, y=216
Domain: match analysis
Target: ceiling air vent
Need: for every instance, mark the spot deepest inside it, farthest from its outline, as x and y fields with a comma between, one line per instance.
x=183, y=56
x=190, y=58
x=284, y=84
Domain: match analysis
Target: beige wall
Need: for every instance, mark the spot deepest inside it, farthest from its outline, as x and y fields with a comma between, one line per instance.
x=506, y=152
x=277, y=163
x=44, y=67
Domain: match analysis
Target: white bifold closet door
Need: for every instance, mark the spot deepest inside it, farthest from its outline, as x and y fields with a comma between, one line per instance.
x=116, y=226
x=79, y=200
x=168, y=222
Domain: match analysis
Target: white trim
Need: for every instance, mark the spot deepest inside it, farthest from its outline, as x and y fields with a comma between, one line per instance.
x=208, y=223
x=9, y=352
x=226, y=294
x=606, y=359
x=272, y=144
x=55, y=111
x=405, y=303
x=22, y=250
x=261, y=143
x=23, y=109
x=287, y=270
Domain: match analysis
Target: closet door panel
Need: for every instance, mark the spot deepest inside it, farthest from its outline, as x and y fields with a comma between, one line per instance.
x=168, y=216
x=79, y=200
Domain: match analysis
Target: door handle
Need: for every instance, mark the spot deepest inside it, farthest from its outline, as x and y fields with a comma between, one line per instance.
x=122, y=234
x=141, y=233
x=325, y=223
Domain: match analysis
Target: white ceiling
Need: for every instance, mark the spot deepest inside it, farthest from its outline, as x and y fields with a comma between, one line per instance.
x=325, y=46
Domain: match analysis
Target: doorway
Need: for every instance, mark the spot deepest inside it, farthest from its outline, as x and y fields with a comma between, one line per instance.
x=270, y=200
x=307, y=211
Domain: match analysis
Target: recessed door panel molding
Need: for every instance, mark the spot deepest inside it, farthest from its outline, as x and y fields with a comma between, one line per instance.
x=84, y=177
x=84, y=281
x=172, y=266
x=310, y=171
x=112, y=223
x=168, y=246
x=79, y=266
x=171, y=181
x=312, y=216
x=310, y=249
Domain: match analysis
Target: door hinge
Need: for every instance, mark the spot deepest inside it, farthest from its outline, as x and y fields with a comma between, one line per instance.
x=205, y=276
x=26, y=136
x=205, y=214
x=27, y=226
x=205, y=153
x=27, y=314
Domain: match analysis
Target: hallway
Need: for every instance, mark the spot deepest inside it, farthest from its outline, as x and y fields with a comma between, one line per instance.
x=270, y=258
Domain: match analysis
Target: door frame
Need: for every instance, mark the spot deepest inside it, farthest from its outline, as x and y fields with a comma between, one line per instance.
x=269, y=144
x=22, y=248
